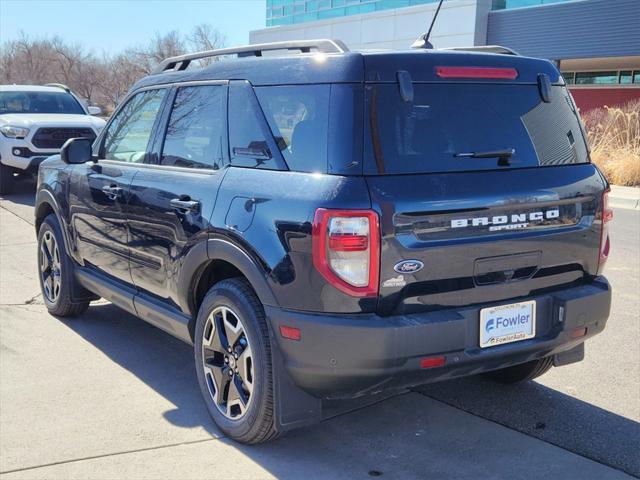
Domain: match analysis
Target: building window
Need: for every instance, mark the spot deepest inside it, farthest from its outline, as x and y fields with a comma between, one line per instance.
x=626, y=77
x=621, y=77
x=596, y=78
x=569, y=77
x=506, y=4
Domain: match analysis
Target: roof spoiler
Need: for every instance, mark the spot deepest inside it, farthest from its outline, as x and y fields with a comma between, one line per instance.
x=485, y=49
x=181, y=62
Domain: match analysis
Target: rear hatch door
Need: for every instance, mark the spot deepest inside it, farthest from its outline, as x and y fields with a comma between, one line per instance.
x=483, y=185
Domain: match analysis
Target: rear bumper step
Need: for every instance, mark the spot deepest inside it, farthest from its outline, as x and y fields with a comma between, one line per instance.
x=343, y=356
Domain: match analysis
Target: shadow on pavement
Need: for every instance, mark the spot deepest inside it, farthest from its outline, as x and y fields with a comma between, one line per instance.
x=24, y=192
x=549, y=415
x=161, y=361
x=166, y=365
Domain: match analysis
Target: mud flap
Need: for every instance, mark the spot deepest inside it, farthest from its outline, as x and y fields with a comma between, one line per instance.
x=293, y=406
x=576, y=354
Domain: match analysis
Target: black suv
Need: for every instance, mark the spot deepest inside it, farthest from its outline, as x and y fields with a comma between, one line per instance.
x=324, y=224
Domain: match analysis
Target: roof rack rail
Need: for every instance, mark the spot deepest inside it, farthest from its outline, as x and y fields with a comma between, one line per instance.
x=485, y=49
x=58, y=85
x=181, y=62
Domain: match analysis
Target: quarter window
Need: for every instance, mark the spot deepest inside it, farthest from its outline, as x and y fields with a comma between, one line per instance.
x=299, y=117
x=196, y=133
x=248, y=133
x=128, y=133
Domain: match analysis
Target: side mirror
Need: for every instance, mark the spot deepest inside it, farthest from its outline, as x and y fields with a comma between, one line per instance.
x=94, y=110
x=76, y=150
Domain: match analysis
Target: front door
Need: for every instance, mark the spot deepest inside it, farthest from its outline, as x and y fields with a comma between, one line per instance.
x=99, y=191
x=172, y=197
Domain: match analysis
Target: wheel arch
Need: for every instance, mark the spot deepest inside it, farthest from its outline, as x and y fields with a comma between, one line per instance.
x=214, y=260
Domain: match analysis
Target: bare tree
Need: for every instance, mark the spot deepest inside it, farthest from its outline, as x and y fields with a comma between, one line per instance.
x=103, y=80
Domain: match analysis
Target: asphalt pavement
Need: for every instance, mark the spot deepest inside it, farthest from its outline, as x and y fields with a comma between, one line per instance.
x=108, y=396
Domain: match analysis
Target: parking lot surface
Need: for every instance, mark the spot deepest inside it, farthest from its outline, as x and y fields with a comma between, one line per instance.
x=107, y=396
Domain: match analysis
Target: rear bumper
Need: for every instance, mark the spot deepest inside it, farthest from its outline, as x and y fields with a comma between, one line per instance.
x=343, y=356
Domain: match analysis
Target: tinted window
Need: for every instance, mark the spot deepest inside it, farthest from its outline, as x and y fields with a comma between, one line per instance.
x=39, y=102
x=318, y=128
x=196, y=131
x=248, y=133
x=447, y=120
x=298, y=117
x=128, y=133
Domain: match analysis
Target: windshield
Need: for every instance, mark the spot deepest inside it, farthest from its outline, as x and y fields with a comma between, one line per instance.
x=464, y=127
x=39, y=102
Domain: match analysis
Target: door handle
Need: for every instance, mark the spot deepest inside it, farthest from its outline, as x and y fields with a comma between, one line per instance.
x=112, y=191
x=188, y=205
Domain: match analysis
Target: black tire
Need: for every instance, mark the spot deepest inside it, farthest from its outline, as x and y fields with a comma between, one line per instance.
x=60, y=304
x=6, y=179
x=236, y=297
x=521, y=373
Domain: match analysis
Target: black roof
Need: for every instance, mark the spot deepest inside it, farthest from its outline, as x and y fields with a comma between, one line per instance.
x=353, y=67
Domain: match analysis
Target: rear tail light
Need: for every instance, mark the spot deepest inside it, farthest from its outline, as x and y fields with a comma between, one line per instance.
x=477, y=72
x=605, y=243
x=346, y=249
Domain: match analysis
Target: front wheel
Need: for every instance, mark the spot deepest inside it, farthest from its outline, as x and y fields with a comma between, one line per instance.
x=233, y=362
x=55, y=271
x=521, y=373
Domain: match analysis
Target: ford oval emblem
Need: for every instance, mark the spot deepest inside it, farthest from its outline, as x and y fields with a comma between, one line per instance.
x=408, y=266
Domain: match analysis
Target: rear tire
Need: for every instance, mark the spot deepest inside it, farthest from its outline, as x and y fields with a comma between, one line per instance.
x=6, y=179
x=233, y=362
x=55, y=270
x=521, y=373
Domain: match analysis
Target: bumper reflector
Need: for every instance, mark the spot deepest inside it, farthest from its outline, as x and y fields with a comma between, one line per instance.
x=432, y=362
x=579, y=332
x=290, y=333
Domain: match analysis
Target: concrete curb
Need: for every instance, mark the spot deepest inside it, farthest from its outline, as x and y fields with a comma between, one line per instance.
x=625, y=197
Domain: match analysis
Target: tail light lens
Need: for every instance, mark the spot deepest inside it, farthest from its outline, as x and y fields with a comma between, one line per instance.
x=346, y=249
x=605, y=243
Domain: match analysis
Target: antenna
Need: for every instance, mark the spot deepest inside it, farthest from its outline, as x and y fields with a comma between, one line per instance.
x=423, y=40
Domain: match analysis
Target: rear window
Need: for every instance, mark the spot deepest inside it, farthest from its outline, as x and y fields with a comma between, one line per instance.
x=318, y=128
x=446, y=123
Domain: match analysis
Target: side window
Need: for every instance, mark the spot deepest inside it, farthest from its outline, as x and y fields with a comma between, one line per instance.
x=197, y=130
x=299, y=118
x=248, y=133
x=128, y=134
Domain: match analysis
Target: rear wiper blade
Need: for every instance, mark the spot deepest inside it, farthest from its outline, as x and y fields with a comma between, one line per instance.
x=503, y=156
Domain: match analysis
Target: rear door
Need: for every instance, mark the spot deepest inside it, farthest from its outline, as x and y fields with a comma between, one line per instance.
x=173, y=195
x=484, y=188
x=99, y=190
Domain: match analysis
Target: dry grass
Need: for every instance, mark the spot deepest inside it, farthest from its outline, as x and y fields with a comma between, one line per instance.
x=614, y=136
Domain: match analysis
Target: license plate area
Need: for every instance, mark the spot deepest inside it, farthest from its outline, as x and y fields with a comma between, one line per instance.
x=510, y=323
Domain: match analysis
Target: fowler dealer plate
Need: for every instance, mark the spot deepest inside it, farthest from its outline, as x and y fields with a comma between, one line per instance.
x=507, y=323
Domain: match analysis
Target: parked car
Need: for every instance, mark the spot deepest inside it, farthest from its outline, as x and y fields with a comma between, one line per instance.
x=35, y=121
x=323, y=224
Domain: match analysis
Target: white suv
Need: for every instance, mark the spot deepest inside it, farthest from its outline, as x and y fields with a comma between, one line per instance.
x=35, y=121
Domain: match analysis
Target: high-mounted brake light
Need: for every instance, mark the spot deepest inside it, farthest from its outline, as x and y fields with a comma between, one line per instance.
x=605, y=242
x=477, y=72
x=346, y=249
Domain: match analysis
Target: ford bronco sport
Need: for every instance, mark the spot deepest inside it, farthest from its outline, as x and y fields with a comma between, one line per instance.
x=323, y=224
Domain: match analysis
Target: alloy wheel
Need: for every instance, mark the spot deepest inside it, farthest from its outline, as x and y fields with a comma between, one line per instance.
x=228, y=362
x=50, y=267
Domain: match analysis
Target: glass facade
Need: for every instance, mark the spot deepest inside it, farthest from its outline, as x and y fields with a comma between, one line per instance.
x=504, y=4
x=621, y=77
x=289, y=12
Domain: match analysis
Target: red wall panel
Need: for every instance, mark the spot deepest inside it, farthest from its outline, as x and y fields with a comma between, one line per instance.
x=590, y=98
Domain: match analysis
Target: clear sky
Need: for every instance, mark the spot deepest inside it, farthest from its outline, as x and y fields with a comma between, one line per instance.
x=112, y=25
